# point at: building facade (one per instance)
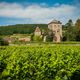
(56, 27)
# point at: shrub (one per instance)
(40, 63)
(3, 42)
(37, 38)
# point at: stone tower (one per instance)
(56, 27)
(37, 31)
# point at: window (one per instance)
(54, 26)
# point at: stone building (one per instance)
(56, 27)
(37, 31)
(25, 39)
(9, 39)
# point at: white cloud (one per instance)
(38, 13)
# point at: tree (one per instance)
(77, 24)
(69, 23)
(70, 31)
(3, 42)
(50, 36)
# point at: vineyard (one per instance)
(40, 63)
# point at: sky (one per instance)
(38, 11)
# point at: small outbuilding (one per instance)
(37, 31)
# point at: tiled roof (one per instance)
(55, 21)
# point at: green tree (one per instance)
(77, 24)
(70, 32)
(50, 36)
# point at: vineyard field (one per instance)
(40, 62)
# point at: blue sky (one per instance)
(38, 1)
(38, 11)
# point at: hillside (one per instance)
(20, 29)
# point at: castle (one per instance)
(56, 28)
(54, 33)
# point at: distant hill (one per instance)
(21, 29)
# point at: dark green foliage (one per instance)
(78, 36)
(64, 38)
(50, 36)
(77, 24)
(20, 29)
(71, 32)
(75, 75)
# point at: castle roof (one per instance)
(37, 29)
(55, 22)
